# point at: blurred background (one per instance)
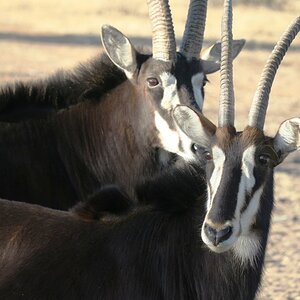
(38, 37)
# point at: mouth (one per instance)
(223, 246)
(219, 248)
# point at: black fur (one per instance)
(37, 99)
(107, 202)
(153, 252)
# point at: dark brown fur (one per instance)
(64, 137)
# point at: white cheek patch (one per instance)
(214, 182)
(171, 139)
(170, 98)
(197, 83)
(246, 248)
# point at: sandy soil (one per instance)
(38, 36)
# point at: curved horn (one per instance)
(194, 29)
(260, 101)
(226, 106)
(163, 36)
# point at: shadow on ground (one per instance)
(94, 40)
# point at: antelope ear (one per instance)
(198, 128)
(119, 49)
(211, 57)
(287, 139)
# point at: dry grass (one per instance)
(38, 36)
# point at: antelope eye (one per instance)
(264, 159)
(208, 155)
(195, 148)
(152, 81)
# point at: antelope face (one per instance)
(238, 166)
(158, 86)
(237, 173)
(161, 84)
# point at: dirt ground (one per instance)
(39, 36)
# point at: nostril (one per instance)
(210, 232)
(223, 235)
(217, 236)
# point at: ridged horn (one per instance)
(192, 39)
(163, 36)
(226, 106)
(260, 101)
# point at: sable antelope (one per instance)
(240, 165)
(154, 251)
(105, 123)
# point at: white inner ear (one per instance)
(121, 53)
(287, 138)
(213, 53)
(189, 123)
(127, 58)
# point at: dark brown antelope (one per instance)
(105, 123)
(240, 164)
(154, 251)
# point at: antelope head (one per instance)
(239, 165)
(168, 78)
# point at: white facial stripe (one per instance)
(249, 214)
(246, 185)
(247, 179)
(197, 82)
(169, 138)
(219, 159)
(169, 84)
(247, 246)
(248, 164)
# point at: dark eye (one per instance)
(195, 148)
(152, 81)
(264, 159)
(207, 155)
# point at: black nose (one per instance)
(217, 236)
